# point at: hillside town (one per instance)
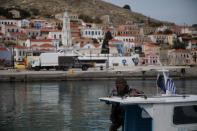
(98, 65)
(24, 40)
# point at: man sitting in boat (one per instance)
(117, 112)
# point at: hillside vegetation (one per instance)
(91, 8)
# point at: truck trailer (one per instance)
(59, 61)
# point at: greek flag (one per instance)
(166, 84)
(170, 86)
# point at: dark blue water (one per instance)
(65, 106)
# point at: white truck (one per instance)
(58, 61)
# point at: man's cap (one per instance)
(121, 80)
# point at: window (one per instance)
(20, 53)
(185, 114)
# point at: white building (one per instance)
(10, 22)
(125, 38)
(185, 30)
(55, 35)
(19, 53)
(93, 33)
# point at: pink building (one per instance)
(180, 57)
(151, 54)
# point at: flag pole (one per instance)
(164, 74)
(157, 85)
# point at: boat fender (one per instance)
(124, 62)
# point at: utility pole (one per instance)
(13, 56)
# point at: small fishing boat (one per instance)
(162, 112)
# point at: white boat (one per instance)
(104, 60)
(114, 61)
(167, 112)
(158, 113)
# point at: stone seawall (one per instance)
(91, 74)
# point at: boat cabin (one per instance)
(158, 113)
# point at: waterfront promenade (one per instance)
(138, 72)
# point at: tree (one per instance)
(86, 18)
(127, 7)
(177, 44)
(167, 31)
(194, 26)
(97, 20)
(59, 27)
(95, 41)
(105, 45)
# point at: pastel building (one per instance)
(180, 57)
(25, 23)
(161, 38)
(33, 33)
(12, 28)
(151, 51)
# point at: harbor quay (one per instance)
(135, 72)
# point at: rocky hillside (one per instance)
(91, 8)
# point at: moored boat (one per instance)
(160, 112)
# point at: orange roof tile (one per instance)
(151, 45)
(115, 40)
(41, 40)
(46, 45)
(44, 49)
(181, 50)
(193, 41)
(97, 45)
(3, 49)
(124, 35)
(49, 30)
(20, 47)
(34, 45)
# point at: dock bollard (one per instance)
(143, 75)
(71, 72)
(183, 72)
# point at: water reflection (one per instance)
(64, 106)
